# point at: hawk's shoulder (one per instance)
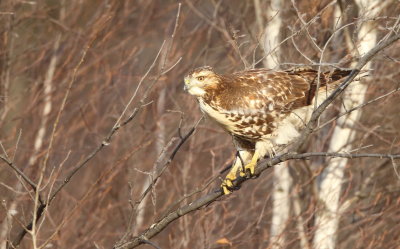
(260, 89)
(268, 90)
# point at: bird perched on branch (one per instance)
(263, 110)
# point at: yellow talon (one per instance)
(226, 184)
(251, 166)
(225, 187)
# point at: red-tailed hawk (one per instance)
(263, 110)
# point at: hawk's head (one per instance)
(199, 79)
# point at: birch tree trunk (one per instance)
(282, 179)
(327, 219)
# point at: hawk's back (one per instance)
(263, 104)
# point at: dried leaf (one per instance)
(223, 241)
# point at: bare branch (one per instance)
(39, 208)
(359, 107)
(204, 201)
(19, 172)
(159, 174)
(361, 63)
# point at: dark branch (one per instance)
(163, 168)
(361, 63)
(19, 172)
(158, 226)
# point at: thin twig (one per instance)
(312, 20)
(150, 243)
(90, 190)
(299, 16)
(39, 208)
(159, 174)
(358, 107)
(361, 63)
(19, 172)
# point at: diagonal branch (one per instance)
(19, 172)
(361, 63)
(204, 201)
(159, 174)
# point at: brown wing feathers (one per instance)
(326, 78)
(281, 91)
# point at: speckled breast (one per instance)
(247, 125)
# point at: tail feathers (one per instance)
(336, 78)
(326, 77)
(327, 82)
(336, 75)
(330, 81)
(340, 74)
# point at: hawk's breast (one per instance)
(248, 124)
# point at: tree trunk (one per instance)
(327, 218)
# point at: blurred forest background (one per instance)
(92, 109)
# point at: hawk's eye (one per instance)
(200, 78)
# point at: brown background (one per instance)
(127, 36)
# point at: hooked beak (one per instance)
(186, 85)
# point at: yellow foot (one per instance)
(227, 184)
(250, 166)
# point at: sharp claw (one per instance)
(226, 185)
(252, 165)
(226, 190)
(251, 168)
